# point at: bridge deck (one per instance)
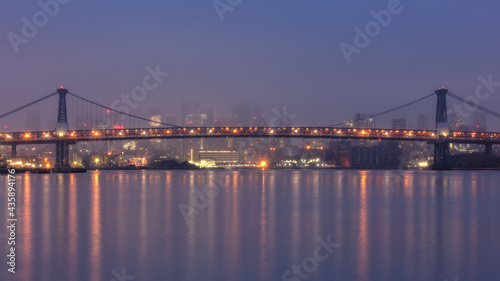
(246, 132)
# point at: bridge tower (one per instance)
(488, 151)
(442, 145)
(62, 146)
(13, 151)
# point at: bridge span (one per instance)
(429, 136)
(441, 136)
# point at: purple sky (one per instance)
(267, 52)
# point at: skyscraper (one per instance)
(363, 120)
(258, 117)
(195, 116)
(188, 110)
(457, 123)
(155, 118)
(170, 119)
(479, 121)
(422, 122)
(242, 114)
(399, 124)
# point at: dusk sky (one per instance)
(272, 53)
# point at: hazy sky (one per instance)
(268, 52)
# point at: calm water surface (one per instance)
(257, 225)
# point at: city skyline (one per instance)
(34, 119)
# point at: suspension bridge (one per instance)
(92, 121)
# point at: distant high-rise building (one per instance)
(422, 122)
(188, 110)
(210, 143)
(399, 124)
(196, 119)
(195, 116)
(222, 122)
(258, 117)
(314, 143)
(155, 119)
(191, 116)
(33, 121)
(170, 119)
(363, 120)
(157, 143)
(241, 114)
(281, 118)
(457, 123)
(171, 145)
(479, 121)
(210, 117)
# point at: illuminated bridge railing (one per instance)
(242, 132)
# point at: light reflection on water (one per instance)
(423, 226)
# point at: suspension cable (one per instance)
(490, 112)
(121, 112)
(384, 112)
(27, 105)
